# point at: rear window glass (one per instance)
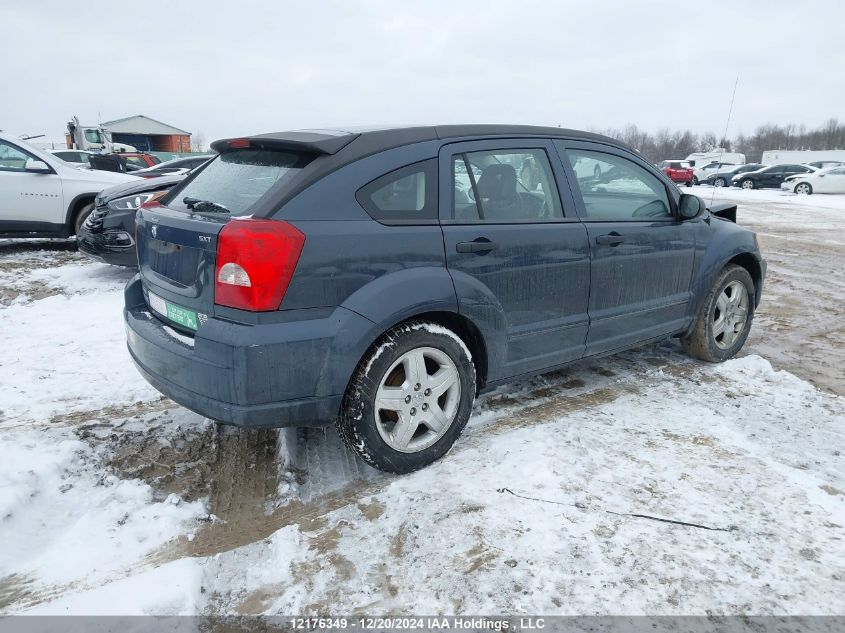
(407, 194)
(237, 179)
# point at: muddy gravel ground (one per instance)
(256, 482)
(800, 324)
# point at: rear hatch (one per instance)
(178, 236)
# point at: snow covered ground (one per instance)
(641, 483)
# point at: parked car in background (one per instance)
(380, 279)
(76, 157)
(723, 178)
(175, 166)
(139, 160)
(108, 234)
(769, 177)
(700, 173)
(826, 164)
(42, 195)
(830, 180)
(678, 171)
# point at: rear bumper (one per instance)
(281, 374)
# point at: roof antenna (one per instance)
(725, 135)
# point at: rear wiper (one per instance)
(195, 204)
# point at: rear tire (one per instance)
(724, 320)
(688, 183)
(81, 216)
(397, 415)
(695, 180)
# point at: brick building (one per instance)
(148, 135)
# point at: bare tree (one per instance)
(198, 142)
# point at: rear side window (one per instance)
(236, 180)
(137, 161)
(504, 186)
(405, 195)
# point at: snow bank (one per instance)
(64, 520)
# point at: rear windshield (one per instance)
(237, 179)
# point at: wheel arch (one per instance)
(743, 255)
(75, 206)
(752, 265)
(463, 327)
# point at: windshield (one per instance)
(236, 180)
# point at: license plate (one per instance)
(177, 314)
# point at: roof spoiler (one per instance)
(312, 142)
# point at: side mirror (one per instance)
(690, 206)
(37, 166)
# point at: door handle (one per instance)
(481, 246)
(612, 239)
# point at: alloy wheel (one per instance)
(730, 315)
(803, 188)
(417, 399)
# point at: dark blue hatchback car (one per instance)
(381, 278)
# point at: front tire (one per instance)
(747, 184)
(409, 398)
(81, 216)
(724, 320)
(720, 182)
(804, 188)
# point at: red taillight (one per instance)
(255, 263)
(239, 143)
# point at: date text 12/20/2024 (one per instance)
(419, 623)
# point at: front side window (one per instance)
(624, 191)
(92, 136)
(236, 179)
(11, 158)
(407, 194)
(504, 186)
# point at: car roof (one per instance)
(370, 140)
(341, 147)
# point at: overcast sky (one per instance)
(240, 67)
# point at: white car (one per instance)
(824, 181)
(76, 157)
(43, 196)
(700, 173)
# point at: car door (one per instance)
(516, 251)
(832, 181)
(642, 255)
(29, 201)
(771, 177)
